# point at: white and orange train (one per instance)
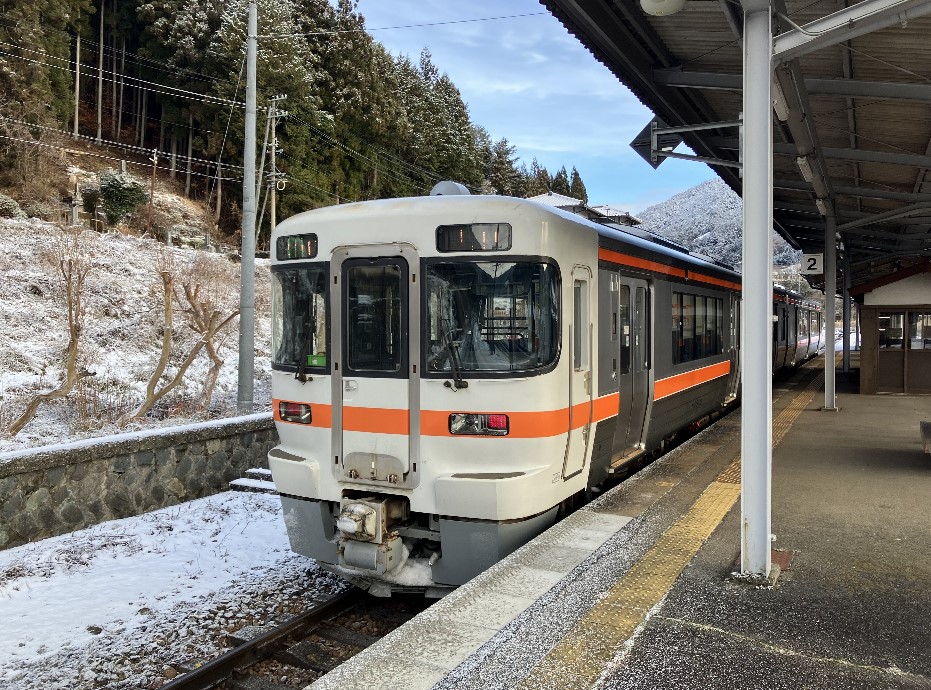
(452, 372)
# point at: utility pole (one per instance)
(77, 78)
(100, 81)
(247, 267)
(274, 173)
(148, 221)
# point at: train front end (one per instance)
(431, 399)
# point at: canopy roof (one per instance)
(851, 120)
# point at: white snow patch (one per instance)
(129, 597)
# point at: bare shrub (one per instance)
(71, 257)
(200, 291)
(97, 404)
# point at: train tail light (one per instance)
(470, 424)
(294, 412)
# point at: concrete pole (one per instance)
(148, 218)
(190, 153)
(247, 267)
(756, 327)
(846, 277)
(830, 303)
(274, 173)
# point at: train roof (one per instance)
(633, 241)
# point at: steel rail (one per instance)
(219, 669)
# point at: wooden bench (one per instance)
(926, 436)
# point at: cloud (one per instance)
(530, 81)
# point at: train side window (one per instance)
(642, 330)
(676, 327)
(580, 325)
(701, 329)
(688, 328)
(624, 325)
(719, 325)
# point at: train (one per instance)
(452, 373)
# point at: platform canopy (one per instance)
(851, 110)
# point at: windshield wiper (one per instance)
(302, 357)
(454, 363)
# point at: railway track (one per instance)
(303, 648)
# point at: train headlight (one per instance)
(470, 424)
(294, 412)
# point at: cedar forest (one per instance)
(166, 78)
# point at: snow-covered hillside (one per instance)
(121, 341)
(708, 219)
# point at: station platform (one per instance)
(639, 588)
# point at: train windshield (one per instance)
(299, 323)
(487, 316)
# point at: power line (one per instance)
(147, 166)
(108, 142)
(130, 56)
(352, 152)
(405, 26)
(168, 90)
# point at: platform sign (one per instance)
(812, 264)
(643, 142)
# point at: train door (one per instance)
(634, 370)
(376, 338)
(580, 373)
(734, 347)
(792, 336)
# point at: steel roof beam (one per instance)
(863, 18)
(887, 216)
(860, 155)
(626, 44)
(866, 192)
(851, 88)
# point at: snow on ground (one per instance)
(122, 335)
(116, 605)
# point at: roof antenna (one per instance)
(448, 188)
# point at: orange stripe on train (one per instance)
(537, 424)
(665, 269)
(680, 382)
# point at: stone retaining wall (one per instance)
(57, 489)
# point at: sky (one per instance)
(530, 81)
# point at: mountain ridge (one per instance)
(708, 219)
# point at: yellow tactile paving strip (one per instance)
(582, 655)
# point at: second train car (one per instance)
(451, 372)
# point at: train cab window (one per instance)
(487, 316)
(299, 316)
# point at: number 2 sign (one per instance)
(812, 264)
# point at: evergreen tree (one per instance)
(35, 74)
(577, 187)
(560, 184)
(504, 176)
(539, 181)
